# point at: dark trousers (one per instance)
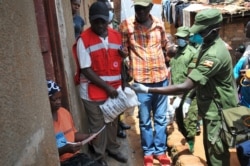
(80, 159)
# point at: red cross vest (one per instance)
(106, 63)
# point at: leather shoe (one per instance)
(121, 133)
(102, 162)
(118, 156)
(124, 126)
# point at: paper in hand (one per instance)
(92, 136)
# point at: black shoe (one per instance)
(124, 126)
(121, 133)
(118, 156)
(102, 162)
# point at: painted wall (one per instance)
(27, 136)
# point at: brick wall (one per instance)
(232, 32)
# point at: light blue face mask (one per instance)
(111, 15)
(181, 42)
(196, 38)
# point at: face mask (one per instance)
(181, 42)
(111, 15)
(196, 38)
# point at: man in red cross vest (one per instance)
(100, 76)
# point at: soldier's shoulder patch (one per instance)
(208, 63)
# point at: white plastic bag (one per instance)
(114, 107)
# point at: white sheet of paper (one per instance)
(92, 136)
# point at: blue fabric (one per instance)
(78, 25)
(60, 139)
(168, 11)
(243, 153)
(153, 141)
(179, 13)
(245, 94)
(238, 67)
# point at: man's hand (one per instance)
(74, 147)
(70, 147)
(112, 92)
(123, 52)
(186, 106)
(139, 88)
(176, 102)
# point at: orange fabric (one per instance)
(65, 124)
(145, 48)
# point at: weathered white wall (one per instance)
(27, 136)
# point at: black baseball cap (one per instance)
(98, 10)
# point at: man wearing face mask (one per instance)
(180, 64)
(213, 80)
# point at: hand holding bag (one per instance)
(113, 107)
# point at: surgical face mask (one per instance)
(111, 15)
(181, 42)
(196, 38)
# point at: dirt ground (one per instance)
(132, 146)
(135, 143)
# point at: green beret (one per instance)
(182, 31)
(206, 18)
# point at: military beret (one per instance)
(182, 31)
(206, 18)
